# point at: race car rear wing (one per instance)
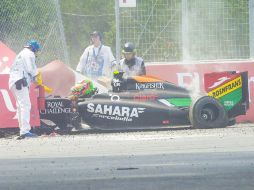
(231, 89)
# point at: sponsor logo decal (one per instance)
(112, 112)
(226, 88)
(145, 97)
(228, 103)
(114, 97)
(220, 81)
(150, 85)
(165, 122)
(7, 100)
(55, 108)
(116, 82)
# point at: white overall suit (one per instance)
(23, 67)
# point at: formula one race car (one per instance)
(148, 102)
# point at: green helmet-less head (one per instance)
(83, 88)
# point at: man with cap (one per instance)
(131, 64)
(22, 73)
(97, 59)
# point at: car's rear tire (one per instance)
(207, 112)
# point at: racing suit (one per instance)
(96, 62)
(22, 73)
(132, 67)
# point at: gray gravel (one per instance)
(149, 160)
(236, 138)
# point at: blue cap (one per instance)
(34, 45)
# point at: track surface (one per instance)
(173, 159)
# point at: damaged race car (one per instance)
(142, 102)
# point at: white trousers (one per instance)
(23, 104)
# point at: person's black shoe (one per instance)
(27, 135)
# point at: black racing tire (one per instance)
(207, 112)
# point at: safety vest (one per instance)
(133, 70)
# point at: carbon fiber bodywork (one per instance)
(143, 102)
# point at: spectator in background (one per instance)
(22, 73)
(131, 65)
(97, 59)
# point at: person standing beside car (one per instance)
(131, 64)
(97, 59)
(22, 73)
